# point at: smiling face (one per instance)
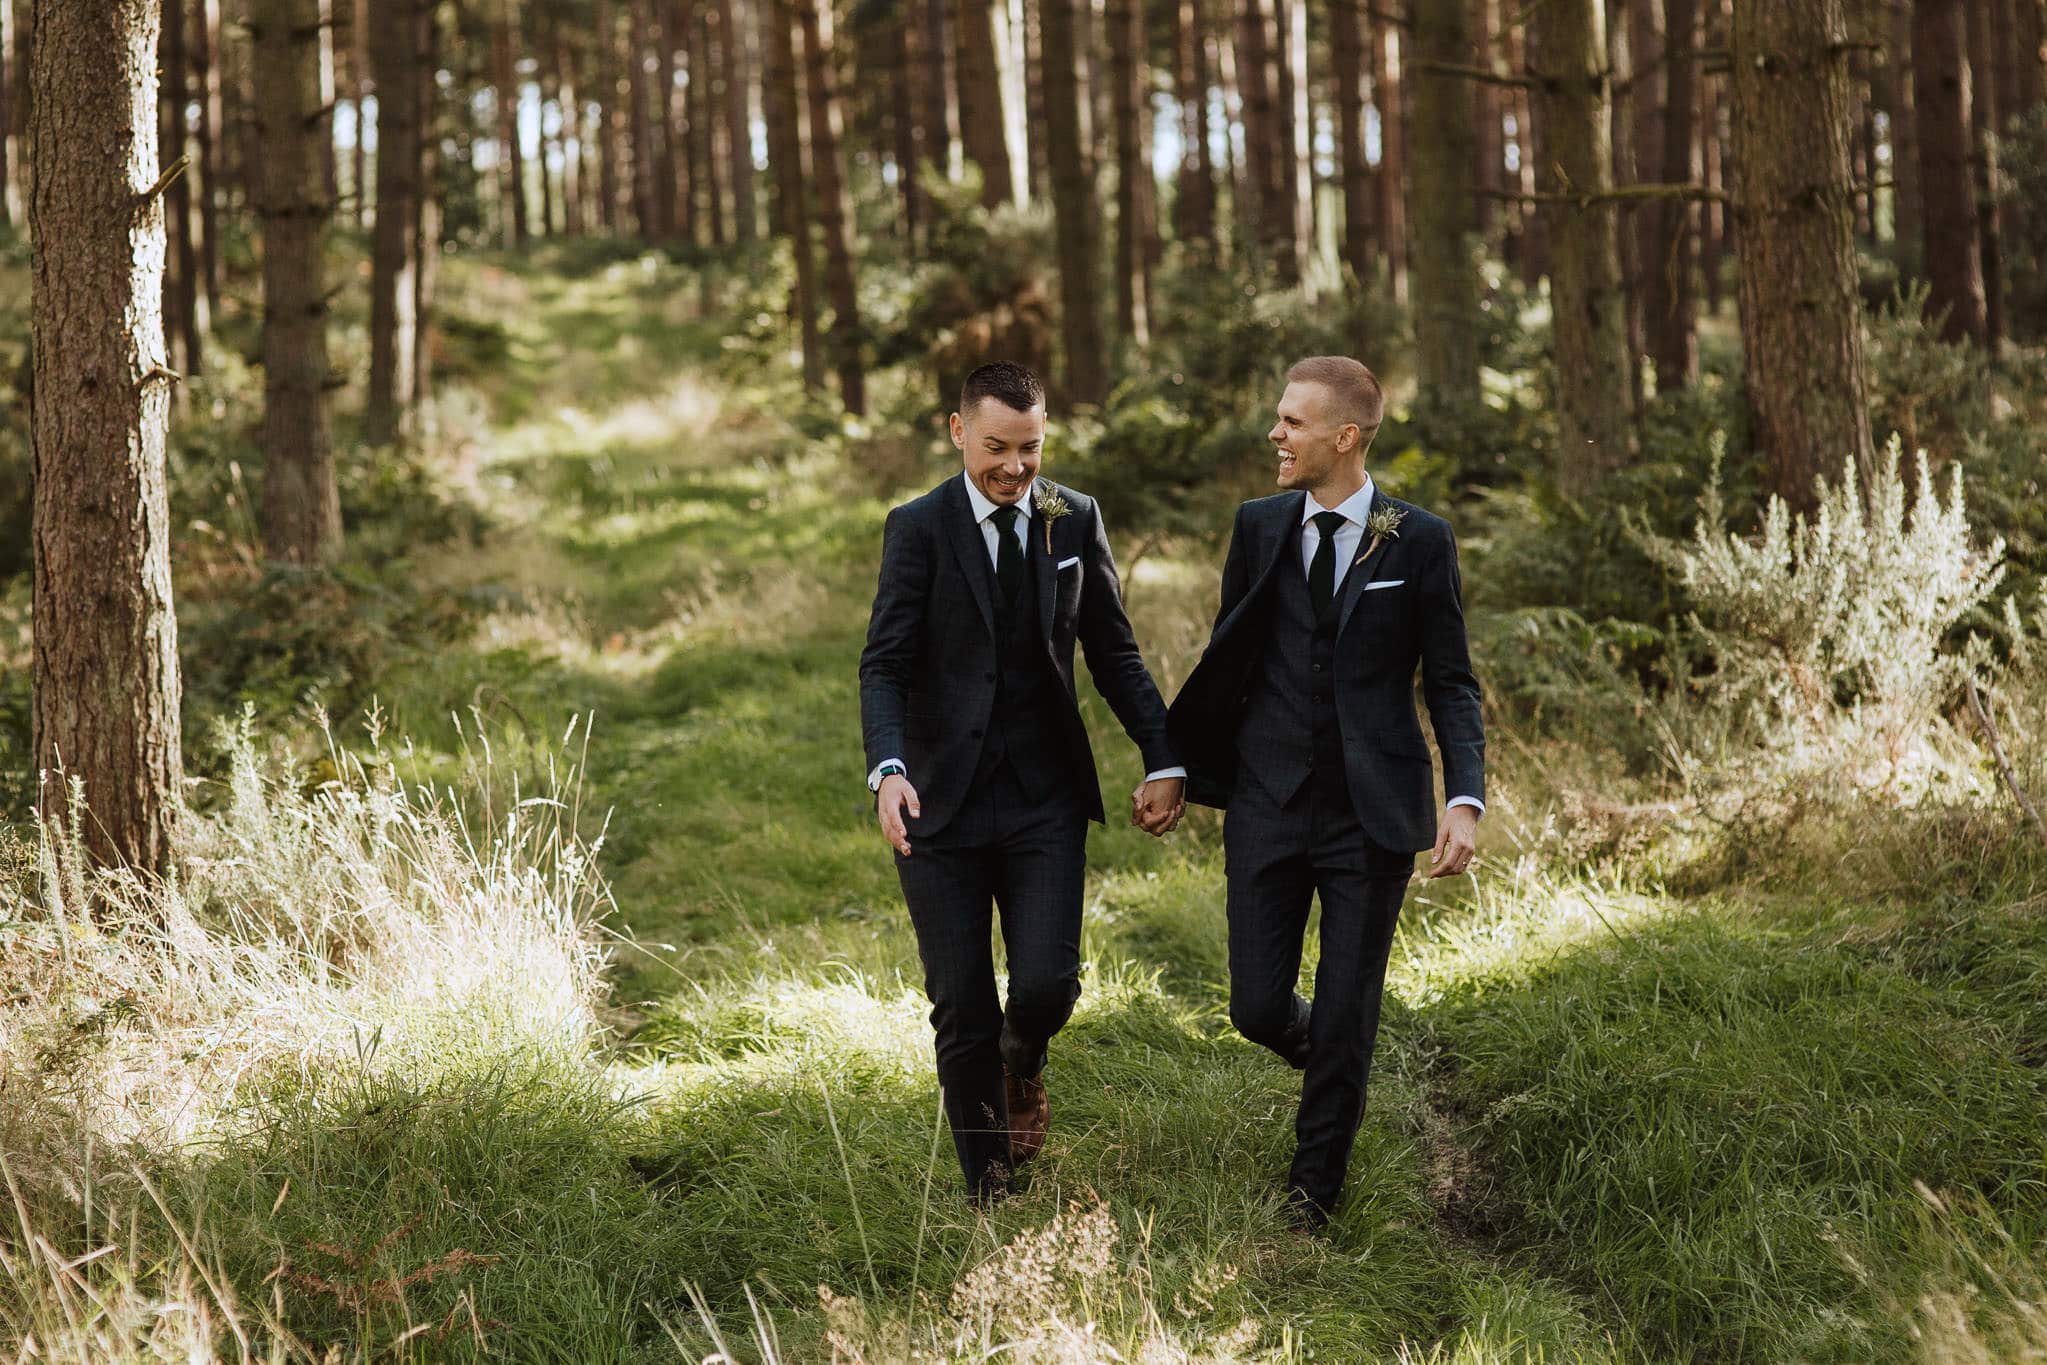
(1317, 452)
(1001, 447)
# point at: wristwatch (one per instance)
(874, 780)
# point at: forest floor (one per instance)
(1691, 1096)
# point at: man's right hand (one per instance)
(895, 793)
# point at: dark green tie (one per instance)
(1322, 569)
(1008, 554)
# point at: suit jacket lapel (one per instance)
(1047, 577)
(971, 550)
(1361, 567)
(1286, 535)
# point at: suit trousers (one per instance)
(1004, 854)
(1277, 857)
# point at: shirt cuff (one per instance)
(1165, 772)
(874, 778)
(1471, 801)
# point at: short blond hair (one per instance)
(1353, 390)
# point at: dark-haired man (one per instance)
(966, 690)
(1300, 720)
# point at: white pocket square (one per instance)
(1066, 564)
(1384, 583)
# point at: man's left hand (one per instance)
(1456, 841)
(1156, 807)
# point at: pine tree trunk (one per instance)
(834, 210)
(1261, 209)
(1446, 245)
(942, 110)
(978, 73)
(1793, 212)
(1669, 303)
(738, 73)
(1713, 214)
(10, 146)
(1392, 196)
(1133, 161)
(552, 145)
(1986, 116)
(1647, 109)
(905, 128)
(1194, 197)
(703, 141)
(648, 189)
(1489, 123)
(1073, 207)
(1574, 98)
(1953, 241)
(1297, 163)
(2029, 40)
(786, 160)
(301, 507)
(105, 697)
(1347, 61)
(426, 204)
(610, 178)
(394, 261)
(359, 63)
(511, 154)
(182, 321)
(1908, 213)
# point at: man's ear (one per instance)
(1356, 434)
(958, 429)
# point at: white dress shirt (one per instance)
(984, 516)
(1349, 536)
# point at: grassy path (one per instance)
(1700, 1116)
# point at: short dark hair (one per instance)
(1354, 389)
(1014, 385)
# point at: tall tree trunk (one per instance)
(1194, 191)
(1713, 214)
(1954, 247)
(834, 210)
(1347, 60)
(511, 151)
(574, 136)
(301, 507)
(1793, 210)
(1386, 99)
(1530, 255)
(1073, 207)
(647, 187)
(1298, 162)
(1446, 245)
(1986, 116)
(105, 676)
(738, 121)
(611, 120)
(785, 159)
(1133, 161)
(905, 128)
(1669, 304)
(1574, 97)
(181, 303)
(365, 84)
(10, 146)
(942, 109)
(426, 203)
(1648, 109)
(1908, 212)
(394, 261)
(549, 143)
(703, 138)
(2029, 41)
(979, 73)
(668, 27)
(1489, 122)
(1262, 210)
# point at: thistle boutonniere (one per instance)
(1384, 525)
(1050, 507)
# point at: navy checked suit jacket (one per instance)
(1383, 635)
(927, 676)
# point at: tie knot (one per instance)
(1005, 517)
(1327, 522)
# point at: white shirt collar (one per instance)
(983, 508)
(1354, 508)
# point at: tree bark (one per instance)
(1489, 125)
(181, 304)
(105, 675)
(359, 64)
(703, 128)
(426, 203)
(301, 506)
(1264, 210)
(1347, 61)
(394, 263)
(1669, 301)
(834, 210)
(1194, 193)
(1386, 99)
(738, 73)
(2029, 74)
(786, 157)
(1574, 98)
(1908, 213)
(1446, 244)
(610, 120)
(1296, 161)
(1073, 207)
(511, 151)
(1986, 117)
(978, 73)
(1952, 234)
(10, 146)
(1793, 218)
(1133, 161)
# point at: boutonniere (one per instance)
(1050, 507)
(1383, 525)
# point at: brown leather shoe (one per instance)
(1030, 1113)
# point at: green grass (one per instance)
(1609, 1121)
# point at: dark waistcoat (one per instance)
(1024, 727)
(1290, 735)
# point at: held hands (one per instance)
(895, 793)
(1456, 839)
(1157, 805)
